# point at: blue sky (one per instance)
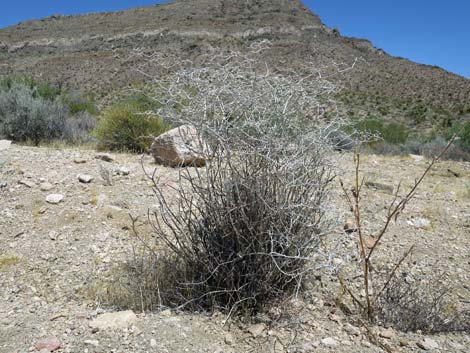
(427, 31)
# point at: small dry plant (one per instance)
(389, 298)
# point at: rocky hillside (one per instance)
(94, 52)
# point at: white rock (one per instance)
(94, 343)
(329, 341)
(54, 198)
(4, 145)
(117, 320)
(85, 178)
(46, 186)
(79, 160)
(122, 171)
(181, 146)
(428, 344)
(28, 183)
(257, 330)
(421, 223)
(153, 342)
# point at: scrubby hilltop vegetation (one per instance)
(95, 52)
(250, 226)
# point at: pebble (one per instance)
(104, 157)
(94, 343)
(46, 186)
(27, 183)
(79, 160)
(352, 330)
(122, 171)
(428, 344)
(256, 330)
(229, 339)
(85, 178)
(119, 320)
(50, 344)
(329, 341)
(387, 333)
(420, 223)
(5, 145)
(54, 198)
(153, 342)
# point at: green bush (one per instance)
(44, 90)
(128, 126)
(26, 116)
(79, 104)
(463, 134)
(392, 133)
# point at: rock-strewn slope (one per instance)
(53, 257)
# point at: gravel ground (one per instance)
(51, 256)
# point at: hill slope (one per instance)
(94, 51)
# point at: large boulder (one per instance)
(179, 147)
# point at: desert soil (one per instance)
(52, 254)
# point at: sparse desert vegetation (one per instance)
(216, 196)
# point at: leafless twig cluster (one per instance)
(246, 228)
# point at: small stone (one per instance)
(387, 333)
(370, 241)
(166, 313)
(5, 145)
(94, 343)
(153, 342)
(54, 198)
(3, 184)
(229, 339)
(352, 330)
(335, 318)
(79, 160)
(329, 341)
(117, 320)
(428, 344)
(122, 171)
(46, 186)
(404, 343)
(49, 344)
(350, 226)
(85, 178)
(421, 223)
(257, 330)
(416, 157)
(104, 157)
(27, 183)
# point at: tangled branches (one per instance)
(245, 229)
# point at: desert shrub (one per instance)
(244, 230)
(463, 132)
(27, 116)
(45, 90)
(128, 126)
(426, 305)
(78, 127)
(455, 152)
(392, 133)
(78, 103)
